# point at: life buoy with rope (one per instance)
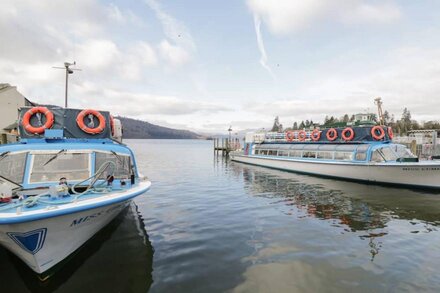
(302, 135)
(332, 134)
(390, 132)
(26, 121)
(290, 135)
(347, 134)
(315, 135)
(90, 113)
(375, 134)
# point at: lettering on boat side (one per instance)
(421, 169)
(95, 215)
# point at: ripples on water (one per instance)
(209, 225)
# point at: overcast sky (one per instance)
(204, 65)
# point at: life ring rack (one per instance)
(375, 135)
(26, 121)
(347, 137)
(96, 130)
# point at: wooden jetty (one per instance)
(224, 146)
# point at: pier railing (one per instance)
(224, 146)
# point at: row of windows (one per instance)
(325, 155)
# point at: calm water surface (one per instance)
(210, 225)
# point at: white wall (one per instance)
(10, 101)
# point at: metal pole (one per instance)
(67, 82)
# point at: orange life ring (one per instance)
(315, 135)
(80, 121)
(302, 135)
(290, 135)
(26, 122)
(345, 136)
(390, 132)
(375, 135)
(332, 134)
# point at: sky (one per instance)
(205, 65)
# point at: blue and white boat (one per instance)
(60, 186)
(360, 154)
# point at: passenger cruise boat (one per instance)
(64, 181)
(359, 153)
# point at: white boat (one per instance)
(57, 192)
(367, 156)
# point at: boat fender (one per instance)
(315, 135)
(377, 132)
(26, 122)
(332, 134)
(91, 130)
(290, 135)
(390, 132)
(302, 135)
(347, 134)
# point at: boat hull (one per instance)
(403, 174)
(44, 243)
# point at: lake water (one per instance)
(211, 225)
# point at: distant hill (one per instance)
(140, 129)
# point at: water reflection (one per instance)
(119, 258)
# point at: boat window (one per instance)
(296, 154)
(263, 152)
(377, 157)
(327, 147)
(257, 152)
(272, 153)
(308, 154)
(51, 167)
(402, 151)
(122, 163)
(344, 156)
(12, 166)
(388, 154)
(325, 155)
(283, 153)
(361, 152)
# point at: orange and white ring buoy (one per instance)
(26, 121)
(290, 136)
(390, 132)
(80, 121)
(302, 135)
(345, 136)
(332, 134)
(315, 135)
(375, 135)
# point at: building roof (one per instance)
(4, 86)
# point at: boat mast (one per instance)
(68, 71)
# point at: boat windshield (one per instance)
(12, 166)
(74, 166)
(402, 151)
(121, 162)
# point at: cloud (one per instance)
(261, 47)
(180, 44)
(287, 16)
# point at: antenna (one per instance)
(378, 102)
(68, 71)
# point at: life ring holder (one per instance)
(26, 121)
(332, 134)
(347, 137)
(376, 136)
(290, 135)
(390, 132)
(302, 135)
(80, 121)
(112, 125)
(315, 135)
